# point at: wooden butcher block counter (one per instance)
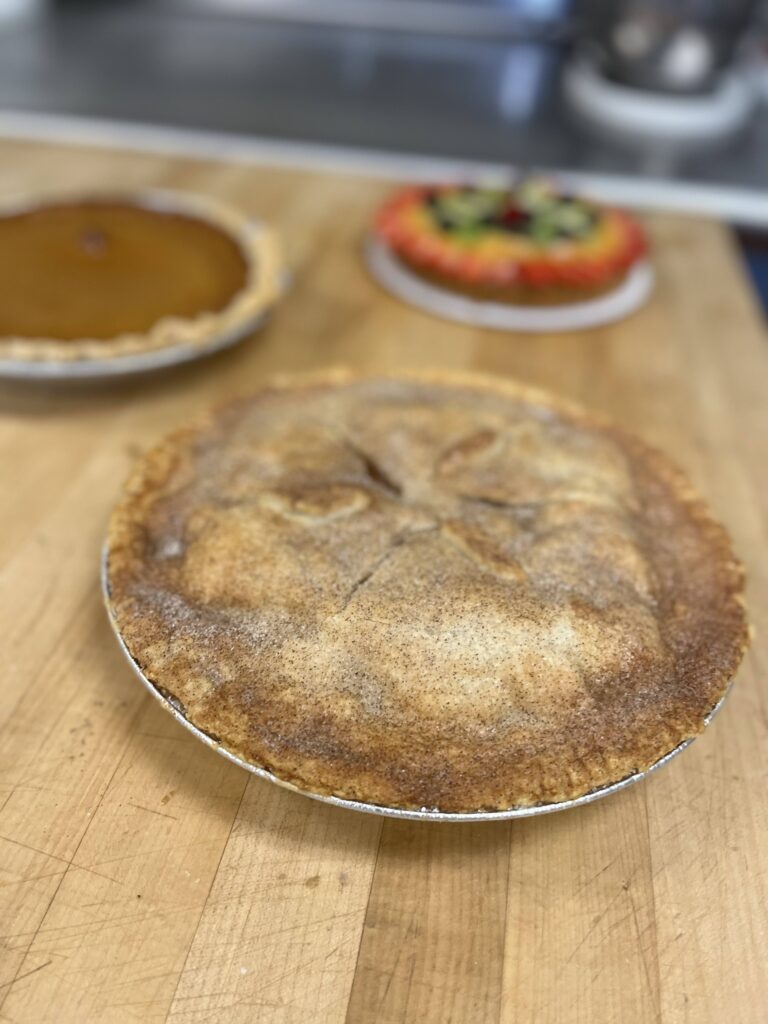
(144, 878)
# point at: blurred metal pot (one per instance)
(671, 46)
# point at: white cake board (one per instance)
(606, 309)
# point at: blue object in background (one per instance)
(754, 248)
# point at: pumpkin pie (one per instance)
(101, 277)
(425, 591)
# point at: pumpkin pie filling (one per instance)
(102, 277)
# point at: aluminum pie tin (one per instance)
(125, 366)
(164, 201)
(605, 309)
(175, 708)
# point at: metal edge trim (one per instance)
(739, 205)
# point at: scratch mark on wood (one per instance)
(150, 810)
(21, 977)
(34, 849)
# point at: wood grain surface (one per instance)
(144, 878)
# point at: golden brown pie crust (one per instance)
(516, 295)
(103, 276)
(432, 590)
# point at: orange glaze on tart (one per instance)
(525, 245)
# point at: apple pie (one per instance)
(425, 591)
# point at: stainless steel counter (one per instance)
(479, 99)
